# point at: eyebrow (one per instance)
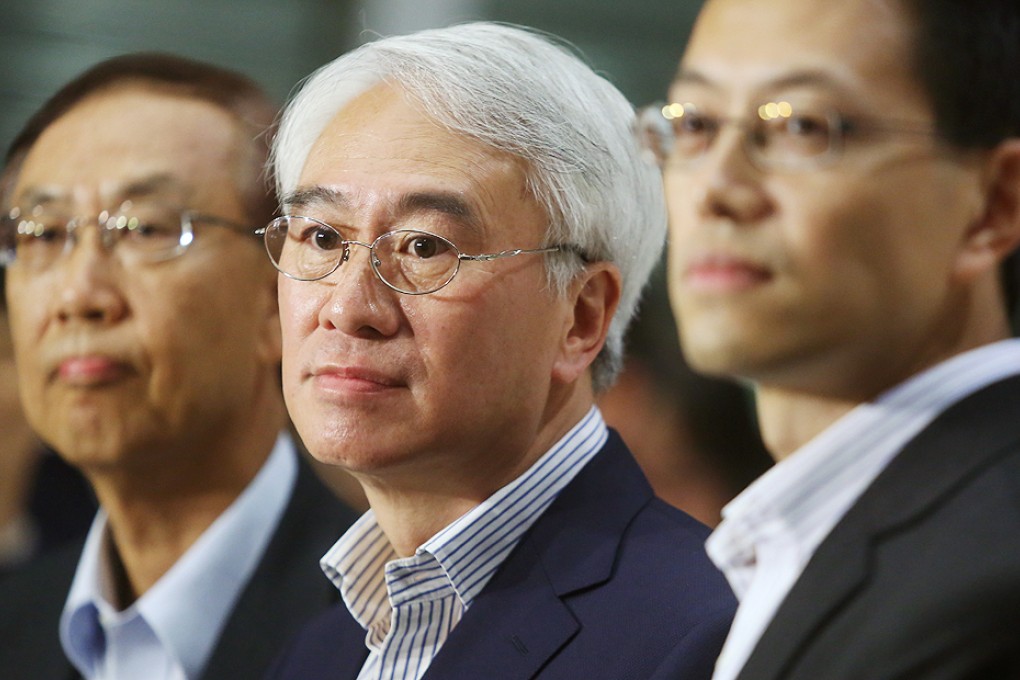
(161, 183)
(446, 203)
(314, 197)
(153, 185)
(813, 78)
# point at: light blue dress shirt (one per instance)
(169, 633)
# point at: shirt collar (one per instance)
(803, 496)
(189, 604)
(470, 549)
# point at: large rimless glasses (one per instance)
(409, 261)
(37, 238)
(776, 134)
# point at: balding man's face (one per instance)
(124, 362)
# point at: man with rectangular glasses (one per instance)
(146, 336)
(843, 180)
(468, 225)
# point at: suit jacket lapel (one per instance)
(287, 587)
(520, 619)
(968, 437)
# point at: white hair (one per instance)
(525, 94)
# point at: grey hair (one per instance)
(523, 93)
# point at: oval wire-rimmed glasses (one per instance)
(409, 261)
(137, 233)
(774, 135)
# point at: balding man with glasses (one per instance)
(843, 180)
(146, 336)
(468, 226)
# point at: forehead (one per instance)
(382, 147)
(121, 136)
(746, 47)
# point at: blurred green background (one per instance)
(277, 42)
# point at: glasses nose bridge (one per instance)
(373, 258)
(723, 143)
(107, 235)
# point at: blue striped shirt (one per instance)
(409, 606)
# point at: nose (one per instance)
(357, 302)
(88, 287)
(729, 185)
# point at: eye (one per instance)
(807, 125)
(322, 237)
(693, 133)
(423, 246)
(147, 229)
(41, 231)
(693, 124)
(793, 133)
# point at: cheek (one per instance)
(300, 305)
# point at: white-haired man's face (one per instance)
(454, 383)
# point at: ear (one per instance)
(595, 294)
(996, 233)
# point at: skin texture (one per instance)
(157, 380)
(432, 401)
(17, 452)
(826, 287)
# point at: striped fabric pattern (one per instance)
(409, 606)
(771, 530)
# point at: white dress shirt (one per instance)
(170, 631)
(409, 606)
(771, 530)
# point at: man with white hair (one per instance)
(510, 223)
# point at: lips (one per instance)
(355, 379)
(723, 273)
(91, 370)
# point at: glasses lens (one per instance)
(304, 249)
(788, 136)
(35, 238)
(676, 133)
(146, 232)
(415, 262)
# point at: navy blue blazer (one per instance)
(921, 579)
(284, 591)
(610, 583)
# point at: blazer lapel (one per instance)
(287, 587)
(511, 630)
(520, 620)
(966, 438)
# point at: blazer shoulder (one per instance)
(287, 588)
(31, 601)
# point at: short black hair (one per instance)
(967, 56)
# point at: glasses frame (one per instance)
(345, 253)
(109, 235)
(653, 119)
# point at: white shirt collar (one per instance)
(188, 606)
(770, 531)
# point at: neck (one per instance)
(793, 409)
(413, 507)
(790, 419)
(155, 516)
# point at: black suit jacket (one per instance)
(286, 589)
(608, 583)
(921, 578)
